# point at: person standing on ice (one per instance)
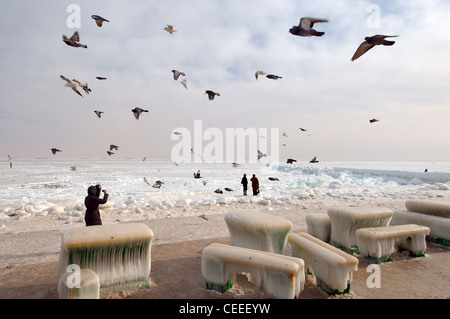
(255, 185)
(92, 201)
(244, 183)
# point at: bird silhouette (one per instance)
(170, 29)
(113, 147)
(211, 94)
(74, 41)
(373, 120)
(55, 150)
(100, 78)
(185, 83)
(99, 113)
(70, 84)
(273, 76)
(305, 27)
(314, 160)
(137, 111)
(261, 155)
(372, 41)
(84, 86)
(176, 74)
(99, 20)
(290, 161)
(109, 153)
(10, 162)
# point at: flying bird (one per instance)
(314, 160)
(290, 161)
(72, 85)
(273, 178)
(261, 155)
(176, 74)
(258, 73)
(211, 94)
(99, 113)
(137, 112)
(302, 129)
(305, 28)
(74, 41)
(372, 41)
(157, 184)
(203, 216)
(146, 182)
(55, 150)
(373, 120)
(84, 86)
(273, 76)
(10, 161)
(177, 133)
(100, 78)
(109, 153)
(170, 29)
(113, 147)
(184, 82)
(99, 20)
(285, 135)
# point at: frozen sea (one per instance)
(40, 187)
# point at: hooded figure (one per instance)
(244, 183)
(92, 201)
(255, 185)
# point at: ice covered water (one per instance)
(37, 187)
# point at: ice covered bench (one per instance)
(380, 242)
(434, 207)
(82, 285)
(439, 226)
(120, 254)
(332, 267)
(280, 276)
(258, 230)
(346, 220)
(319, 226)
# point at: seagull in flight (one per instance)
(261, 155)
(305, 27)
(373, 120)
(185, 83)
(74, 41)
(99, 20)
(109, 153)
(137, 112)
(170, 29)
(258, 73)
(176, 74)
(72, 85)
(372, 41)
(273, 76)
(113, 147)
(84, 86)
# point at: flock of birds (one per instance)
(305, 28)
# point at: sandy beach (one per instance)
(30, 251)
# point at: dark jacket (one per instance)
(255, 183)
(244, 182)
(92, 201)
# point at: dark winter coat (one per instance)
(255, 183)
(92, 201)
(244, 182)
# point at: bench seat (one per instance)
(280, 276)
(434, 207)
(332, 267)
(381, 242)
(439, 226)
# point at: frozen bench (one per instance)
(120, 254)
(319, 226)
(280, 276)
(381, 242)
(258, 230)
(439, 226)
(346, 220)
(85, 285)
(332, 267)
(433, 207)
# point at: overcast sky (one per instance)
(219, 45)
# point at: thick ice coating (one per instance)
(346, 220)
(319, 226)
(88, 287)
(439, 226)
(280, 276)
(381, 242)
(430, 207)
(332, 267)
(258, 230)
(117, 253)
